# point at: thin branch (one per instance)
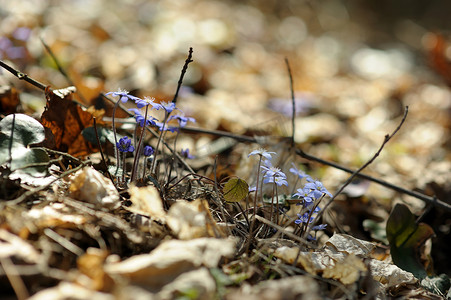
(293, 103)
(23, 76)
(242, 138)
(355, 173)
(185, 67)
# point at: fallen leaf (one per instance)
(189, 220)
(196, 284)
(347, 271)
(91, 264)
(67, 290)
(91, 186)
(235, 190)
(9, 100)
(146, 201)
(66, 120)
(170, 259)
(293, 287)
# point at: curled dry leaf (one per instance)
(9, 99)
(146, 201)
(189, 220)
(341, 259)
(197, 282)
(170, 259)
(347, 271)
(67, 290)
(66, 120)
(12, 245)
(294, 287)
(91, 186)
(91, 265)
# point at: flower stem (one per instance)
(166, 116)
(138, 148)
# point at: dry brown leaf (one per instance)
(170, 259)
(9, 100)
(294, 287)
(199, 281)
(146, 201)
(12, 245)
(347, 271)
(53, 215)
(91, 186)
(344, 243)
(342, 259)
(312, 262)
(66, 290)
(189, 220)
(91, 264)
(66, 120)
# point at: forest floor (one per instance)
(259, 116)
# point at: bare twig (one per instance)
(64, 242)
(185, 67)
(355, 173)
(430, 200)
(293, 102)
(23, 76)
(14, 278)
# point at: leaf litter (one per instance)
(72, 232)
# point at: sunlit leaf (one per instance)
(406, 237)
(17, 132)
(66, 120)
(235, 190)
(26, 129)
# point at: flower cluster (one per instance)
(144, 118)
(312, 192)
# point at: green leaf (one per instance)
(235, 190)
(17, 132)
(26, 130)
(406, 237)
(104, 135)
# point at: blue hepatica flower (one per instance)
(167, 106)
(317, 188)
(304, 218)
(279, 180)
(164, 127)
(125, 145)
(140, 118)
(305, 194)
(262, 152)
(123, 95)
(182, 119)
(148, 151)
(301, 174)
(319, 227)
(140, 103)
(270, 171)
(185, 153)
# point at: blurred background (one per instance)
(355, 66)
